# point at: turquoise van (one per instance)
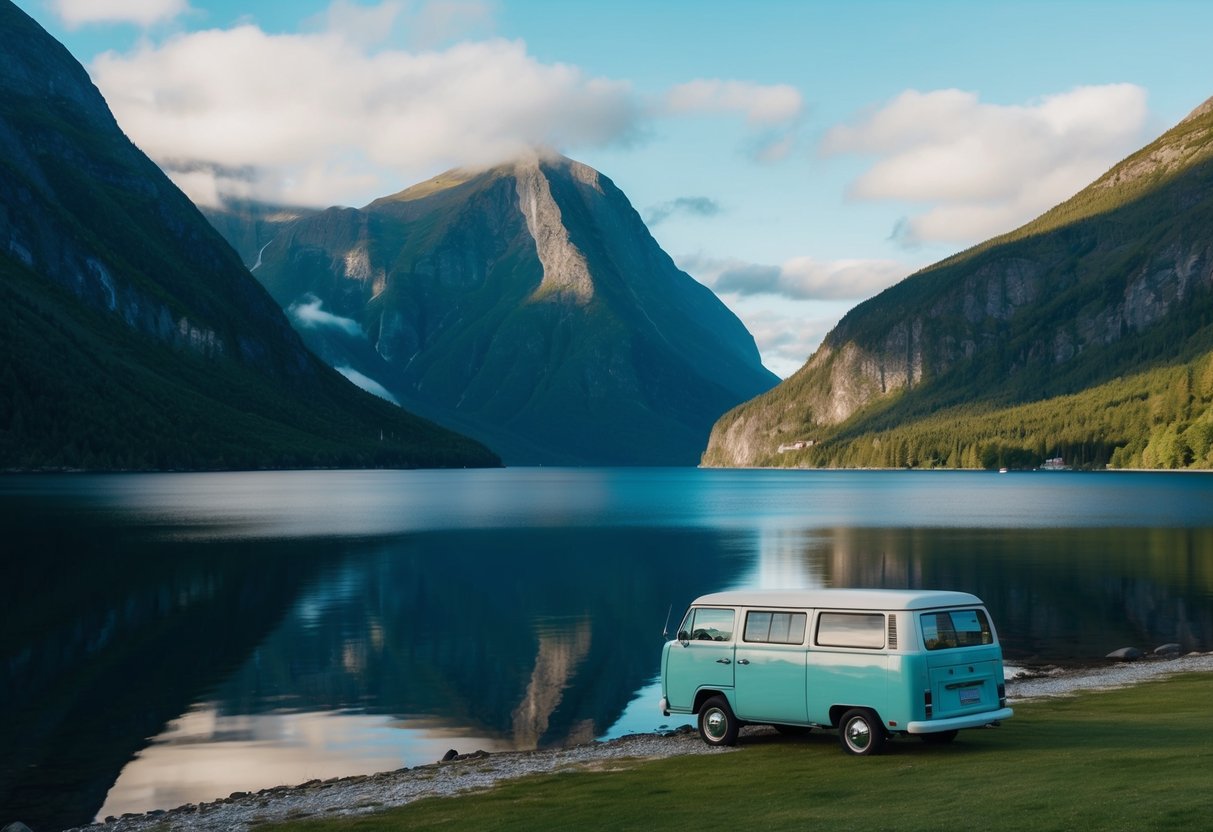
(872, 663)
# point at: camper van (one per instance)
(871, 663)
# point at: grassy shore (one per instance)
(1135, 758)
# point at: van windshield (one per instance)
(955, 628)
(704, 624)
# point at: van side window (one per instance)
(705, 624)
(849, 629)
(775, 627)
(957, 628)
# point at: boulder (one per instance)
(16, 826)
(1171, 649)
(1125, 654)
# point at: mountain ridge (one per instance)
(526, 304)
(133, 338)
(1097, 288)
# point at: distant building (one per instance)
(798, 445)
(1055, 463)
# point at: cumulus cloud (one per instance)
(761, 105)
(786, 338)
(773, 112)
(322, 119)
(356, 23)
(982, 169)
(800, 278)
(700, 206)
(442, 21)
(309, 313)
(139, 12)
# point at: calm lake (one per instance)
(172, 638)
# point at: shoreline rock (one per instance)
(479, 770)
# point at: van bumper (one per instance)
(665, 707)
(931, 726)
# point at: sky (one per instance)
(796, 157)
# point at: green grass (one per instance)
(1138, 758)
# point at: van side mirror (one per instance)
(684, 637)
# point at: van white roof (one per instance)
(858, 599)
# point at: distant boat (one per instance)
(1002, 470)
(1054, 464)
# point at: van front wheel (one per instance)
(717, 725)
(860, 733)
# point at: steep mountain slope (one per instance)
(1108, 298)
(130, 334)
(526, 305)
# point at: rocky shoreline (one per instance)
(460, 773)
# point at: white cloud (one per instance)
(442, 21)
(696, 206)
(356, 23)
(308, 313)
(983, 169)
(320, 119)
(762, 105)
(800, 278)
(786, 337)
(140, 12)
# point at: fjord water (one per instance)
(172, 638)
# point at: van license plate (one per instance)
(970, 696)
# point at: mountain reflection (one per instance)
(536, 637)
(1056, 594)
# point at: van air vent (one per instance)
(892, 632)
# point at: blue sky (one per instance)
(796, 156)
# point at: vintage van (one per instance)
(871, 663)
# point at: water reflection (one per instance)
(174, 638)
(205, 753)
(1067, 594)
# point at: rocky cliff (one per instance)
(1116, 281)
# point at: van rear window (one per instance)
(849, 629)
(955, 628)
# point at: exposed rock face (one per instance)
(527, 305)
(565, 272)
(1127, 255)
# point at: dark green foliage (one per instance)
(1161, 418)
(79, 390)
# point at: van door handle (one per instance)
(743, 661)
(723, 661)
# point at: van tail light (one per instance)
(926, 701)
(1002, 695)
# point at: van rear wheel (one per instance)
(717, 725)
(860, 732)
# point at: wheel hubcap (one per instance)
(859, 735)
(715, 723)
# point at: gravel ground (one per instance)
(480, 770)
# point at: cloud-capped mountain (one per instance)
(526, 305)
(131, 336)
(1087, 334)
